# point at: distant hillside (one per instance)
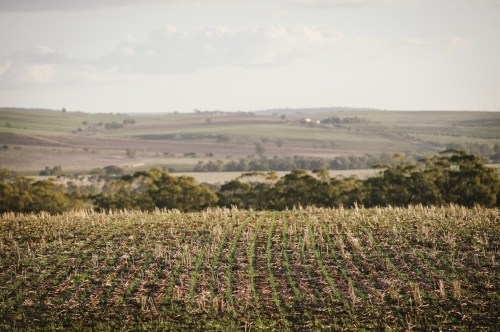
(290, 111)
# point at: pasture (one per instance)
(423, 268)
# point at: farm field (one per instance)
(222, 177)
(423, 268)
(81, 154)
(80, 141)
(215, 177)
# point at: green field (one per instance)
(24, 121)
(394, 130)
(422, 268)
(80, 142)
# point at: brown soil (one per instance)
(80, 152)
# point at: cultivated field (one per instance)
(81, 154)
(80, 141)
(222, 177)
(421, 268)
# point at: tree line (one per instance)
(265, 164)
(451, 177)
(337, 120)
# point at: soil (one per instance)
(34, 152)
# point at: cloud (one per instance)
(86, 5)
(33, 66)
(455, 44)
(410, 42)
(72, 5)
(169, 49)
(42, 66)
(26, 74)
(4, 65)
(343, 3)
(79, 5)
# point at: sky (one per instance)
(133, 56)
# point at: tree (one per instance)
(113, 125)
(279, 142)
(402, 185)
(48, 196)
(283, 117)
(294, 189)
(119, 195)
(113, 170)
(64, 110)
(128, 121)
(322, 174)
(234, 193)
(466, 180)
(170, 192)
(130, 153)
(260, 149)
(453, 177)
(56, 170)
(154, 188)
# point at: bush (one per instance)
(113, 125)
(56, 170)
(128, 121)
(130, 153)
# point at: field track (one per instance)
(421, 268)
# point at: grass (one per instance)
(423, 268)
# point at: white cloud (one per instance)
(455, 44)
(169, 49)
(4, 65)
(26, 74)
(172, 50)
(411, 42)
(71, 5)
(84, 5)
(28, 66)
(79, 5)
(33, 66)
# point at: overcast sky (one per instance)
(167, 55)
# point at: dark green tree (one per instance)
(465, 180)
(260, 149)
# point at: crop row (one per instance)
(418, 267)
